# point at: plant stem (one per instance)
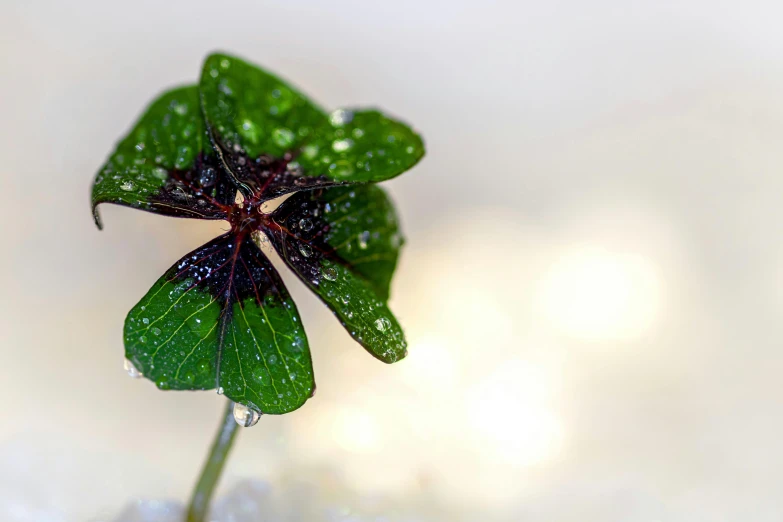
(213, 467)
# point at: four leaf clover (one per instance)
(221, 318)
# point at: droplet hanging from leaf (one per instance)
(245, 417)
(131, 369)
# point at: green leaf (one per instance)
(252, 109)
(222, 318)
(361, 146)
(274, 140)
(165, 164)
(343, 243)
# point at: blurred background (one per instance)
(591, 286)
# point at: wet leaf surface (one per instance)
(220, 318)
(278, 141)
(343, 243)
(166, 164)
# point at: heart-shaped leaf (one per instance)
(166, 164)
(277, 141)
(356, 146)
(343, 242)
(222, 318)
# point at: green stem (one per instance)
(213, 467)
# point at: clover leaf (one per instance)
(221, 318)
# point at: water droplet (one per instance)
(245, 416)
(127, 185)
(330, 274)
(341, 168)
(273, 359)
(283, 137)
(262, 376)
(131, 369)
(310, 151)
(225, 88)
(306, 250)
(382, 324)
(364, 237)
(140, 146)
(162, 383)
(156, 331)
(342, 145)
(160, 173)
(220, 390)
(184, 157)
(305, 224)
(345, 298)
(207, 177)
(181, 109)
(340, 117)
(145, 320)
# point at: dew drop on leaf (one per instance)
(382, 324)
(131, 369)
(181, 109)
(245, 416)
(340, 117)
(342, 145)
(330, 274)
(364, 238)
(203, 366)
(207, 177)
(127, 185)
(306, 250)
(305, 224)
(341, 168)
(283, 137)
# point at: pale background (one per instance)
(591, 287)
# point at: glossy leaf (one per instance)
(165, 164)
(343, 243)
(258, 111)
(222, 318)
(276, 141)
(361, 146)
